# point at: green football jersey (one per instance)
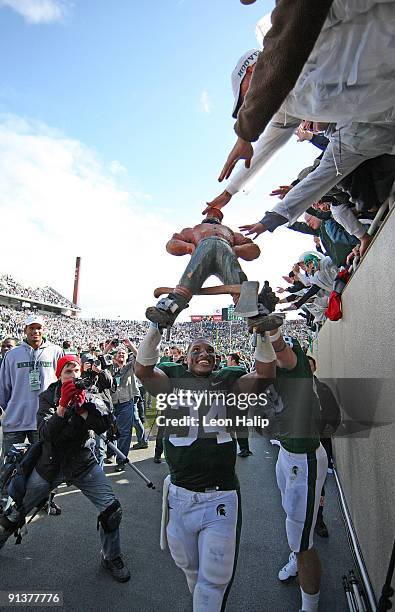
(199, 446)
(298, 409)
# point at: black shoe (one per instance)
(117, 569)
(140, 445)
(321, 529)
(108, 460)
(7, 528)
(245, 452)
(157, 459)
(52, 508)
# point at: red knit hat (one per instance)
(62, 362)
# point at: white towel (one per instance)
(165, 513)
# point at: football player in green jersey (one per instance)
(301, 466)
(202, 505)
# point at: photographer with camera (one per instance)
(98, 379)
(124, 402)
(66, 414)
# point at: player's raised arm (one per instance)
(285, 356)
(265, 365)
(153, 379)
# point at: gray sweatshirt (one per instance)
(126, 383)
(16, 398)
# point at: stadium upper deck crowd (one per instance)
(9, 286)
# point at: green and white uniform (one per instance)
(201, 456)
(302, 462)
(203, 500)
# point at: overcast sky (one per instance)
(115, 121)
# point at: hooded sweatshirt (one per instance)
(16, 398)
(325, 276)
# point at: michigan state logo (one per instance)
(294, 472)
(221, 510)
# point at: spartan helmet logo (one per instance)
(221, 510)
(295, 470)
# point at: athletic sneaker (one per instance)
(290, 570)
(117, 569)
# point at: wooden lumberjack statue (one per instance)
(214, 250)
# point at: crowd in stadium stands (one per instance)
(85, 334)
(9, 286)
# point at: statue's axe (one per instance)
(247, 305)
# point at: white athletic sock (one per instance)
(264, 351)
(310, 602)
(148, 351)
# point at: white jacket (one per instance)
(350, 73)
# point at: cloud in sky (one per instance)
(57, 202)
(39, 11)
(205, 102)
(117, 169)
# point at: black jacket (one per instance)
(64, 451)
(330, 410)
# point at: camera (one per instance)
(94, 362)
(105, 361)
(81, 383)
(115, 342)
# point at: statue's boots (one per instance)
(166, 310)
(263, 322)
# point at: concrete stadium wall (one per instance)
(358, 355)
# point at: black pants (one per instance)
(159, 441)
(242, 438)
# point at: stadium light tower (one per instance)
(76, 280)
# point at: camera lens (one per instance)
(81, 384)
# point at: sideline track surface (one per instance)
(62, 552)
